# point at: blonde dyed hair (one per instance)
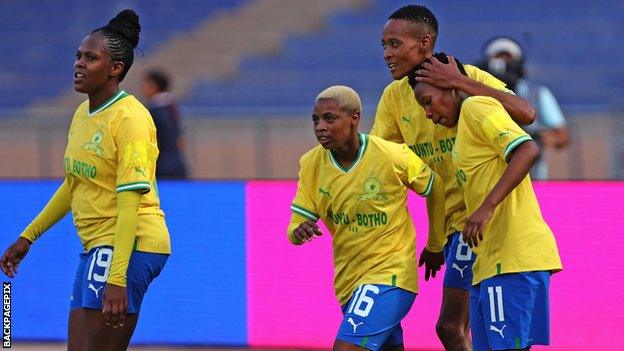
(346, 97)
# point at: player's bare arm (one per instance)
(520, 162)
(447, 76)
(432, 256)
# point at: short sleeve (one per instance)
(414, 173)
(385, 125)
(303, 204)
(490, 120)
(136, 154)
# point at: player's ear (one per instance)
(117, 69)
(425, 44)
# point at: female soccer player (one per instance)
(408, 38)
(110, 189)
(516, 250)
(357, 184)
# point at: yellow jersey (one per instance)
(109, 150)
(365, 209)
(399, 118)
(517, 239)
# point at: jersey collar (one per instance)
(118, 96)
(363, 145)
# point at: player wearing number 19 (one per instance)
(110, 189)
(516, 250)
(357, 184)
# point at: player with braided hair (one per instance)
(110, 188)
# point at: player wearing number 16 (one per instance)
(357, 185)
(110, 189)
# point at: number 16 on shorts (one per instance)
(361, 304)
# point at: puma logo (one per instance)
(325, 192)
(96, 291)
(461, 270)
(500, 331)
(350, 320)
(407, 120)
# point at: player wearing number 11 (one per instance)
(516, 250)
(357, 184)
(110, 189)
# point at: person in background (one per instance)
(161, 105)
(503, 58)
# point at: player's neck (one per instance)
(97, 98)
(347, 153)
(462, 97)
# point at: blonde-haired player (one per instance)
(357, 185)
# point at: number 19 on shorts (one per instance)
(100, 261)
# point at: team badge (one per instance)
(95, 144)
(372, 190)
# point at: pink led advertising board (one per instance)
(290, 295)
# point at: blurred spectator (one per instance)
(166, 115)
(504, 59)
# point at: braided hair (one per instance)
(122, 37)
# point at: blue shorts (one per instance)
(372, 317)
(93, 270)
(459, 260)
(510, 311)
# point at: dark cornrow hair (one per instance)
(417, 14)
(122, 36)
(442, 57)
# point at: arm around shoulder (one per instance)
(518, 108)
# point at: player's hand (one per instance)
(548, 138)
(433, 262)
(307, 231)
(476, 223)
(439, 74)
(115, 305)
(13, 256)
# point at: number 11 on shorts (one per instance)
(496, 300)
